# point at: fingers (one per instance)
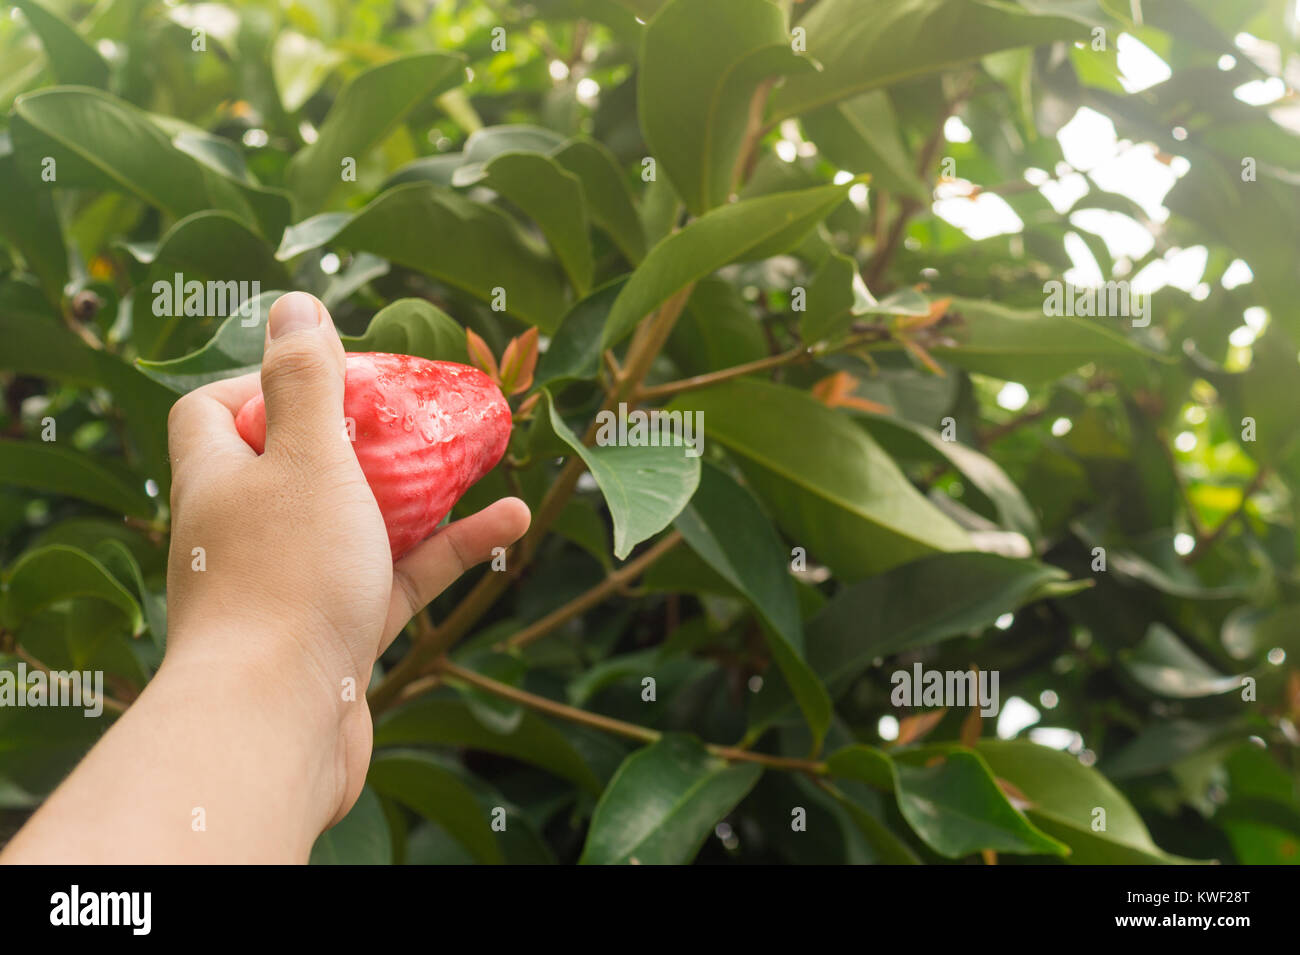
(303, 368)
(203, 421)
(429, 569)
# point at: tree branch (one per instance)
(634, 731)
(585, 601)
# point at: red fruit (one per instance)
(426, 431)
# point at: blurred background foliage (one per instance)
(865, 198)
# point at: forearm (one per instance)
(217, 761)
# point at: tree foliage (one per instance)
(741, 209)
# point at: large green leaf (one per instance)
(574, 351)
(412, 326)
(828, 484)
(419, 781)
(407, 327)
(101, 142)
(663, 802)
(898, 436)
(1064, 797)
(1029, 346)
(40, 745)
(469, 245)
(725, 526)
(950, 800)
(645, 487)
(898, 610)
(534, 741)
(364, 112)
(72, 60)
(700, 64)
(861, 135)
(29, 220)
(47, 575)
(554, 199)
(359, 838)
(57, 470)
(866, 44)
(235, 349)
(609, 200)
(750, 229)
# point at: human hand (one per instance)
(282, 559)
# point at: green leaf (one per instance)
(831, 488)
(29, 220)
(836, 295)
(434, 720)
(645, 487)
(554, 199)
(751, 229)
(469, 245)
(48, 575)
(663, 802)
(299, 65)
(359, 838)
(861, 135)
(915, 605)
(725, 526)
(609, 200)
(867, 44)
(1064, 796)
(1165, 665)
(699, 66)
(412, 326)
(1030, 346)
(364, 113)
(419, 781)
(406, 327)
(235, 349)
(101, 142)
(1014, 512)
(72, 60)
(949, 798)
(574, 351)
(40, 745)
(486, 144)
(56, 470)
(716, 330)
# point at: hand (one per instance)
(282, 559)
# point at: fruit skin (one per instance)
(426, 431)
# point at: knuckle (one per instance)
(296, 363)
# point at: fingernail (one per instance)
(293, 313)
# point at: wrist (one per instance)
(286, 717)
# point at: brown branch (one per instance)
(585, 601)
(883, 257)
(110, 703)
(799, 353)
(634, 731)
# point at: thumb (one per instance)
(303, 368)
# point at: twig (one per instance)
(634, 731)
(110, 703)
(585, 601)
